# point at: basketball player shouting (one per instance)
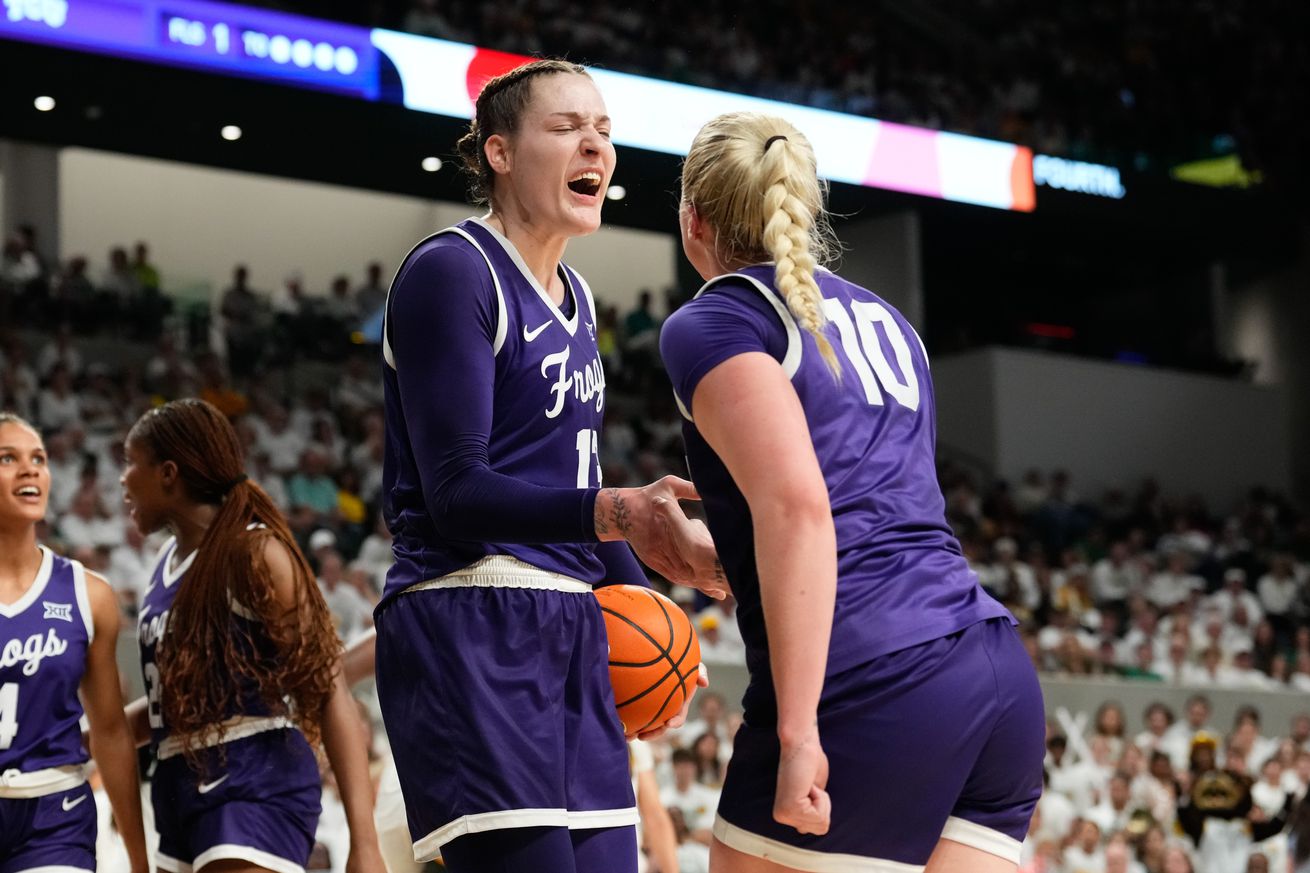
(491, 658)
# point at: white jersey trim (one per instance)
(55, 869)
(429, 847)
(83, 600)
(982, 838)
(812, 861)
(36, 589)
(502, 317)
(17, 785)
(238, 728)
(791, 361)
(569, 324)
(503, 571)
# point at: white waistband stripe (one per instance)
(503, 571)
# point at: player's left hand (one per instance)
(365, 859)
(702, 681)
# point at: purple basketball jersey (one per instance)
(45, 635)
(901, 577)
(152, 625)
(548, 403)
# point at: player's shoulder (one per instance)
(450, 249)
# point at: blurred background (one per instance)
(1094, 214)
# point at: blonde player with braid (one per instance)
(893, 722)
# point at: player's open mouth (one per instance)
(28, 492)
(586, 183)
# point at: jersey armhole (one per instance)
(83, 600)
(502, 317)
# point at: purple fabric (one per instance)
(902, 579)
(485, 450)
(57, 830)
(531, 850)
(499, 699)
(952, 727)
(262, 792)
(44, 658)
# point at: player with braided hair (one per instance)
(893, 719)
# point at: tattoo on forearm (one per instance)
(620, 516)
(603, 526)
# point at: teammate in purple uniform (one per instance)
(491, 651)
(893, 719)
(241, 663)
(58, 634)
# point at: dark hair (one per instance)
(500, 107)
(204, 676)
(685, 756)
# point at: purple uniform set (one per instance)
(491, 652)
(257, 798)
(930, 715)
(47, 815)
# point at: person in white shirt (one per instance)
(695, 801)
(1116, 807)
(1119, 857)
(1175, 583)
(375, 554)
(1178, 739)
(282, 443)
(58, 406)
(1158, 718)
(1115, 576)
(351, 611)
(1234, 593)
(1085, 855)
(1278, 590)
(131, 564)
(87, 523)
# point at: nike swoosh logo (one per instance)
(67, 806)
(530, 335)
(207, 787)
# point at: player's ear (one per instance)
(496, 149)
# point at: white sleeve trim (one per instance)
(982, 838)
(791, 361)
(83, 600)
(502, 317)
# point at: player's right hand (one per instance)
(800, 800)
(694, 545)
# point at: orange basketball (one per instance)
(654, 655)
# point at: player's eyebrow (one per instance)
(579, 116)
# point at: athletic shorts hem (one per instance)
(230, 852)
(809, 860)
(982, 838)
(429, 848)
(171, 865)
(57, 868)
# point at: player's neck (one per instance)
(189, 526)
(540, 251)
(19, 561)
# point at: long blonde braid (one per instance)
(753, 178)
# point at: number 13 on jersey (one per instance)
(588, 457)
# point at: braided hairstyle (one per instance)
(500, 107)
(754, 179)
(204, 665)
